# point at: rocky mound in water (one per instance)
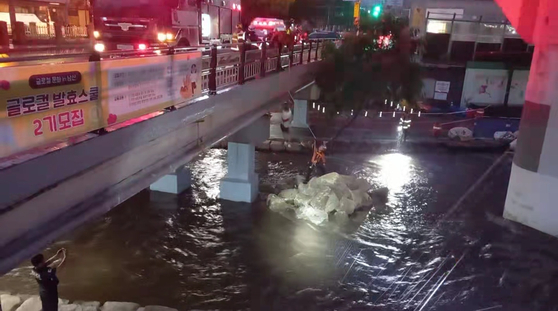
(332, 194)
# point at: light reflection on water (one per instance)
(395, 171)
(198, 252)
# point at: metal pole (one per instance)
(291, 56)
(508, 87)
(301, 53)
(503, 37)
(263, 60)
(242, 48)
(310, 52)
(451, 36)
(477, 38)
(13, 19)
(213, 71)
(200, 39)
(426, 23)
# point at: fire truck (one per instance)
(153, 24)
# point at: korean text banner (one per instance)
(45, 103)
(136, 87)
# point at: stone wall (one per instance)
(10, 302)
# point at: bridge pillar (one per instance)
(531, 197)
(300, 113)
(241, 182)
(174, 183)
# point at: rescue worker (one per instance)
(44, 272)
(286, 118)
(318, 161)
(405, 124)
(238, 35)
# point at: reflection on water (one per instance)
(196, 252)
(395, 171)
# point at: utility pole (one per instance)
(356, 16)
(13, 20)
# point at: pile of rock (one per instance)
(33, 303)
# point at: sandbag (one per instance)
(513, 144)
(504, 136)
(321, 196)
(461, 133)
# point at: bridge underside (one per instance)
(88, 179)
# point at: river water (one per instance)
(429, 248)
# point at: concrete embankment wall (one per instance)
(10, 302)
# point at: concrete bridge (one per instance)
(52, 194)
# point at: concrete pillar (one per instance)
(241, 182)
(531, 198)
(4, 36)
(300, 113)
(174, 183)
(19, 36)
(58, 34)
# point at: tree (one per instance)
(370, 67)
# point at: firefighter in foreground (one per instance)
(405, 124)
(318, 161)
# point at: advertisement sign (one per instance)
(41, 104)
(484, 86)
(227, 59)
(442, 86)
(135, 87)
(518, 87)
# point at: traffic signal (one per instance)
(377, 10)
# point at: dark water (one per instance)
(421, 251)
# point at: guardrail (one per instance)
(43, 104)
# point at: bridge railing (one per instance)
(44, 104)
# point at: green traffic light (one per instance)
(377, 11)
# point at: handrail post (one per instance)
(291, 56)
(263, 60)
(279, 67)
(310, 51)
(317, 48)
(213, 71)
(301, 61)
(242, 49)
(96, 57)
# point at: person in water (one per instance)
(318, 161)
(45, 274)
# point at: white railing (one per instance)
(296, 58)
(44, 31)
(284, 60)
(205, 81)
(271, 65)
(227, 76)
(75, 32)
(251, 69)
